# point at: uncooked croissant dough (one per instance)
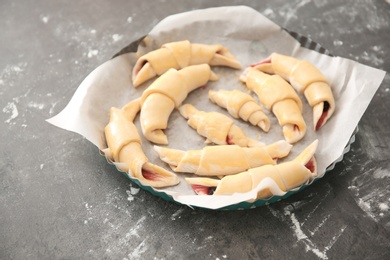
(167, 92)
(124, 145)
(216, 127)
(305, 78)
(222, 160)
(241, 105)
(179, 55)
(287, 176)
(277, 95)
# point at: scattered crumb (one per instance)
(11, 108)
(117, 37)
(130, 193)
(177, 214)
(92, 53)
(383, 207)
(36, 105)
(268, 12)
(45, 19)
(337, 43)
(134, 191)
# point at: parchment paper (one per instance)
(250, 37)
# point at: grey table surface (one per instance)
(59, 199)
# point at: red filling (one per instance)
(203, 190)
(323, 116)
(152, 176)
(140, 67)
(229, 140)
(261, 62)
(311, 166)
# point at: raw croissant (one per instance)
(179, 55)
(241, 105)
(287, 176)
(124, 145)
(216, 127)
(305, 78)
(167, 92)
(277, 95)
(222, 159)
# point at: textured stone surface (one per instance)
(60, 199)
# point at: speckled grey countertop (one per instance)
(60, 200)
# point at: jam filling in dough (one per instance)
(241, 105)
(166, 93)
(216, 127)
(124, 145)
(306, 79)
(223, 159)
(279, 97)
(178, 55)
(287, 176)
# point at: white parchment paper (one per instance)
(250, 37)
